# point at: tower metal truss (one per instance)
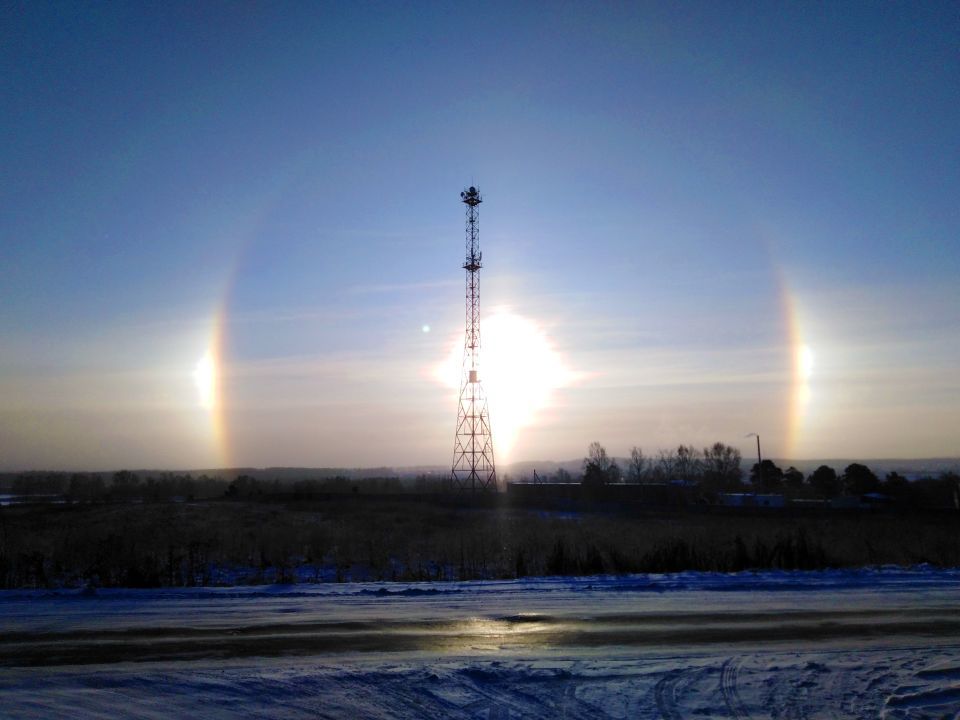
(473, 466)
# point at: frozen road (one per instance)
(781, 645)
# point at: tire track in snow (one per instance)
(568, 701)
(841, 687)
(492, 704)
(488, 709)
(665, 695)
(728, 688)
(498, 712)
(790, 696)
(931, 692)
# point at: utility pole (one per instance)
(759, 458)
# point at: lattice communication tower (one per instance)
(473, 466)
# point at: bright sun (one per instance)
(205, 378)
(519, 368)
(805, 361)
(802, 371)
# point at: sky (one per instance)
(231, 235)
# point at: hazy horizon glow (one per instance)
(233, 236)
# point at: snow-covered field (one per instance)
(872, 643)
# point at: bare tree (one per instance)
(689, 465)
(721, 467)
(664, 469)
(637, 470)
(598, 467)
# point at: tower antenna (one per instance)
(473, 466)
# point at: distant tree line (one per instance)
(126, 486)
(248, 487)
(123, 485)
(708, 472)
(717, 468)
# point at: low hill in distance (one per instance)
(910, 468)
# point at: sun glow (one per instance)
(802, 372)
(520, 369)
(208, 382)
(805, 361)
(802, 361)
(803, 364)
(205, 378)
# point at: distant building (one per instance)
(813, 503)
(752, 500)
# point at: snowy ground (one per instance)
(877, 643)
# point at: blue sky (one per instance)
(715, 220)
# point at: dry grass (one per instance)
(154, 544)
